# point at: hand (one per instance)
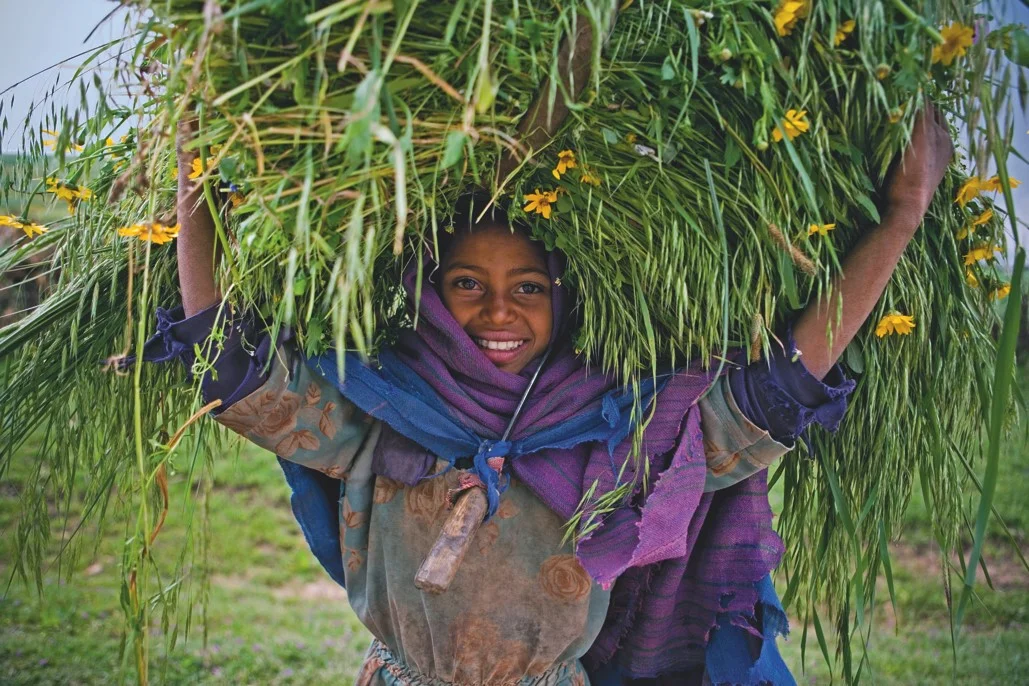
(917, 175)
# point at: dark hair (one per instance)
(472, 210)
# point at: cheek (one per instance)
(542, 324)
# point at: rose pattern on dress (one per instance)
(427, 500)
(563, 578)
(507, 508)
(385, 489)
(486, 536)
(280, 417)
(244, 414)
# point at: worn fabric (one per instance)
(386, 527)
(382, 668)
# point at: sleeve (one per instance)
(235, 358)
(754, 414)
(284, 407)
(301, 417)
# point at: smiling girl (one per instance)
(486, 392)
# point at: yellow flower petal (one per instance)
(34, 228)
(981, 253)
(983, 218)
(10, 220)
(957, 38)
(198, 169)
(969, 189)
(1001, 292)
(843, 31)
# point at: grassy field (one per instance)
(274, 617)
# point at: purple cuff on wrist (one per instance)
(782, 397)
(239, 368)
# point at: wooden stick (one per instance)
(540, 123)
(440, 565)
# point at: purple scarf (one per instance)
(677, 557)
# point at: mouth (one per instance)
(501, 352)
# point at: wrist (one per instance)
(906, 217)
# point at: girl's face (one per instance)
(496, 285)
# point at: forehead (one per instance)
(495, 247)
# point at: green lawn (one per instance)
(275, 617)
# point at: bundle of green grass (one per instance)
(703, 165)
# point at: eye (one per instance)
(465, 283)
(529, 288)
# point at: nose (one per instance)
(498, 309)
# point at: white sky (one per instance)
(40, 33)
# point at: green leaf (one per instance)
(1002, 378)
(453, 151)
(871, 211)
(854, 357)
(667, 69)
(732, 153)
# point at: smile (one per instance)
(499, 345)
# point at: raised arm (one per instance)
(195, 245)
(868, 267)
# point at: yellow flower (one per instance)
(155, 232)
(957, 38)
(198, 169)
(993, 184)
(29, 228)
(10, 220)
(62, 191)
(34, 228)
(896, 114)
(1000, 292)
(969, 189)
(895, 322)
(108, 142)
(985, 252)
(565, 161)
(630, 138)
(970, 279)
(540, 202)
(51, 144)
(983, 218)
(882, 71)
(787, 14)
(844, 29)
(820, 229)
(237, 198)
(589, 177)
(795, 124)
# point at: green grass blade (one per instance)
(1002, 377)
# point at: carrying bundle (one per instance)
(703, 166)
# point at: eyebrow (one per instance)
(517, 271)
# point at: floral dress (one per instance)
(521, 609)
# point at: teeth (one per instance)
(498, 345)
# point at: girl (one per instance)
(671, 587)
